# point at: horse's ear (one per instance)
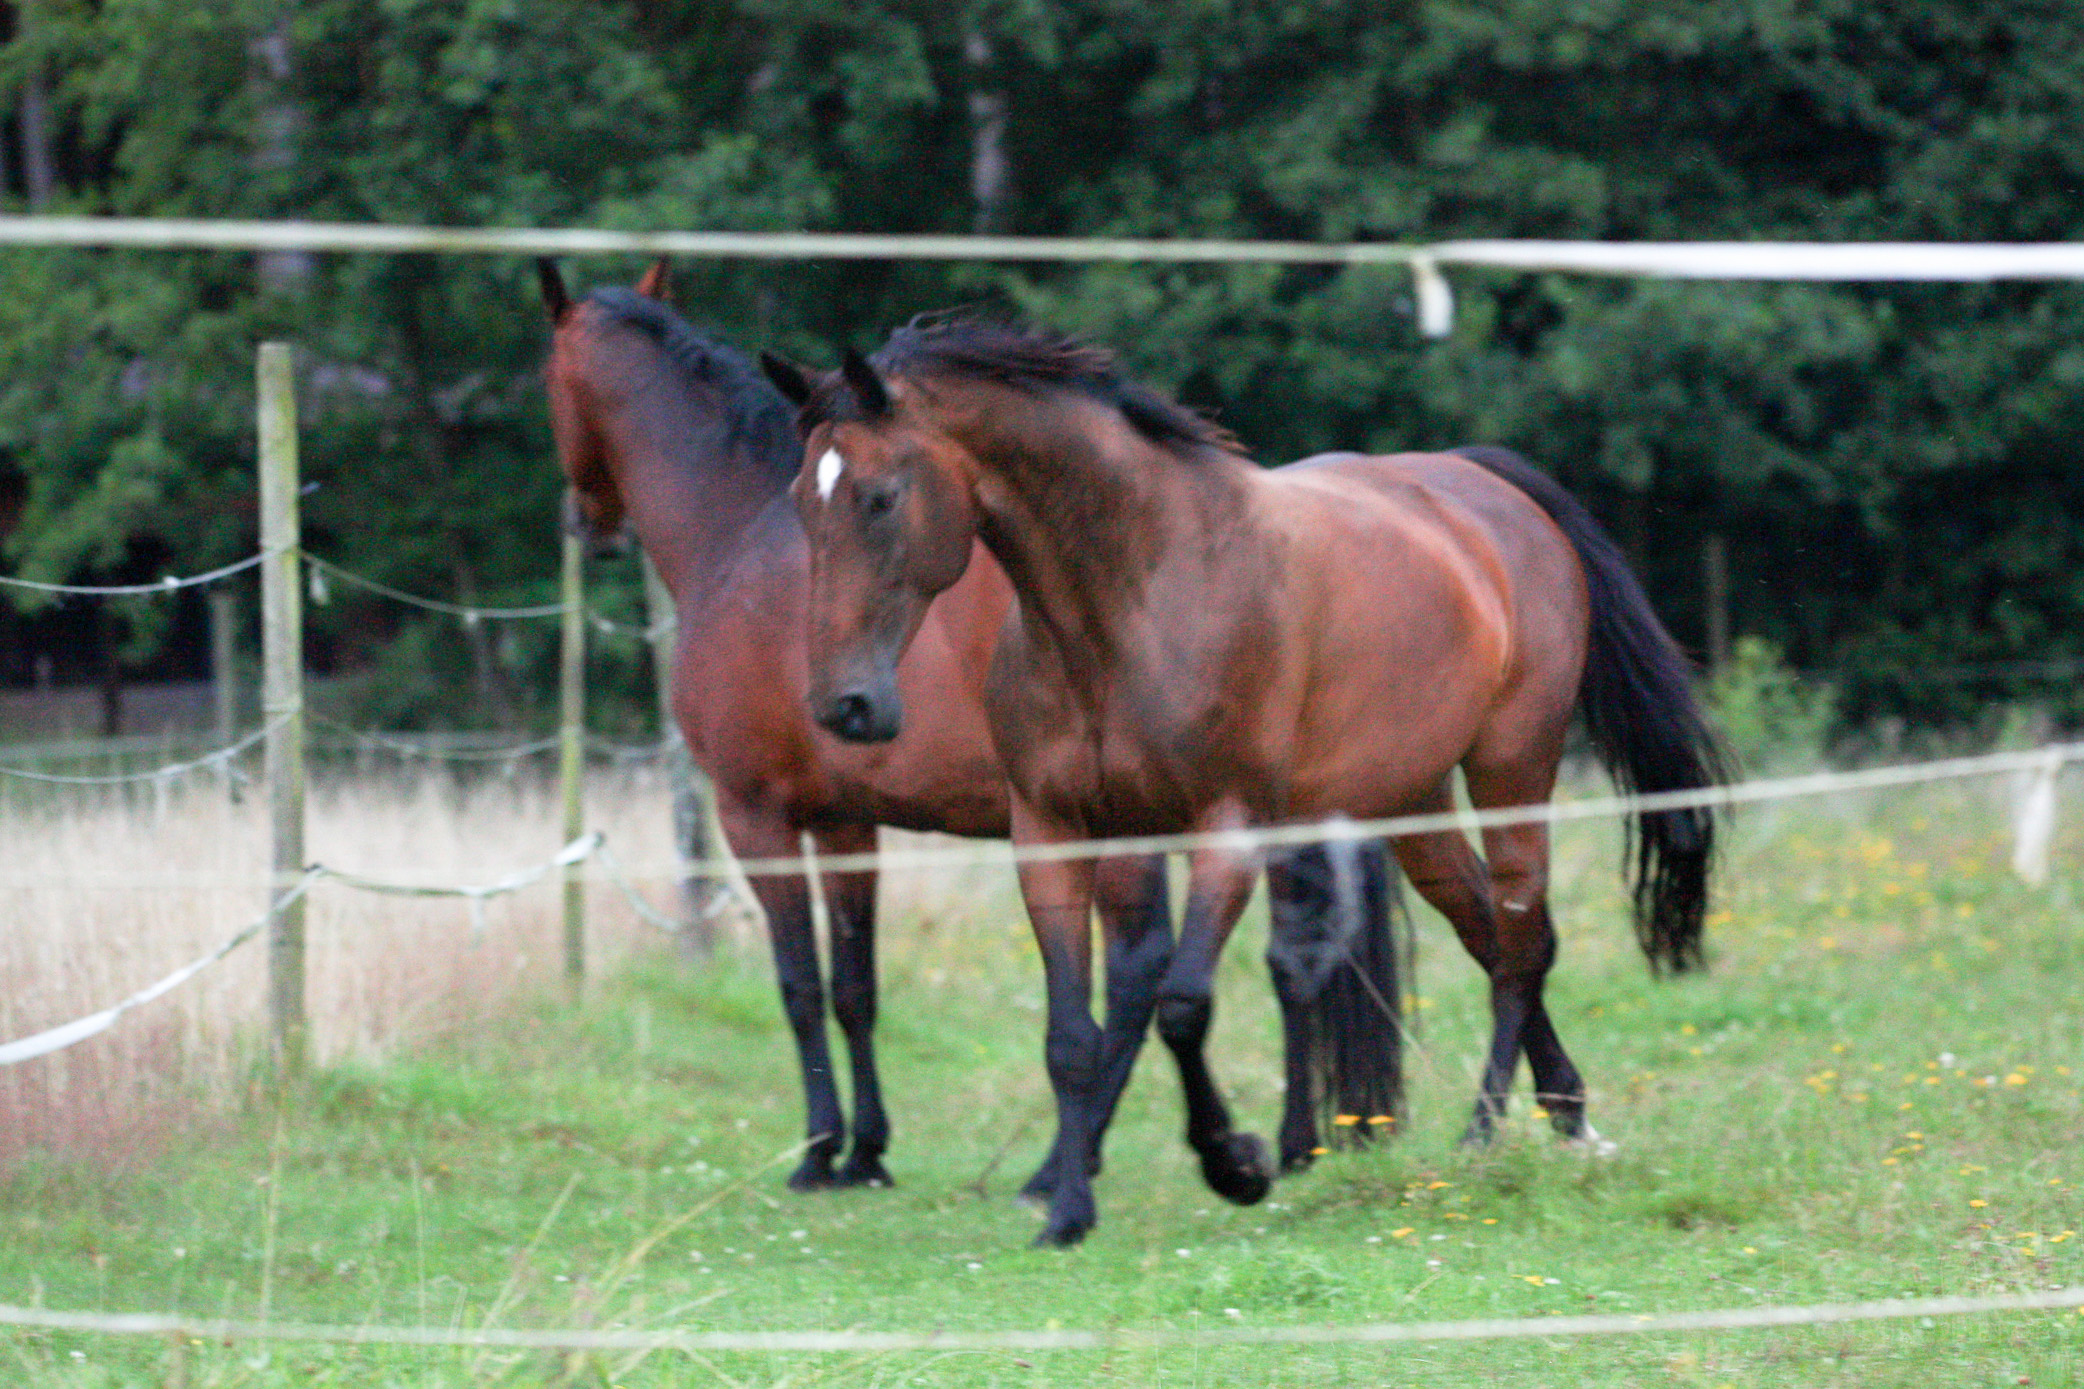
(555, 299)
(791, 380)
(656, 282)
(867, 386)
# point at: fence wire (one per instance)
(218, 760)
(468, 612)
(170, 584)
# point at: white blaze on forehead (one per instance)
(829, 468)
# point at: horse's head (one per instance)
(593, 504)
(886, 503)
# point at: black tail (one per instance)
(1644, 720)
(1333, 953)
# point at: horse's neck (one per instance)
(694, 511)
(1094, 527)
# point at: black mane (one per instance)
(754, 412)
(1030, 358)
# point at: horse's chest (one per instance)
(1128, 765)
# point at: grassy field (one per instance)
(1874, 1093)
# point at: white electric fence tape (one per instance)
(58, 1038)
(1840, 262)
(1718, 260)
(1290, 836)
(1123, 1338)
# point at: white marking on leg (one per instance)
(1516, 906)
(1592, 1143)
(829, 468)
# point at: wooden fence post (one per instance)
(282, 699)
(571, 758)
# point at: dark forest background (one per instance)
(1889, 470)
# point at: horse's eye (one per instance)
(878, 499)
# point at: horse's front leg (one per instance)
(1059, 897)
(1136, 921)
(850, 906)
(1237, 1166)
(785, 898)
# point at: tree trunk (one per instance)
(988, 167)
(430, 439)
(274, 149)
(111, 674)
(1715, 580)
(38, 175)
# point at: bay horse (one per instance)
(1203, 645)
(670, 434)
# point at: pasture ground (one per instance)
(1874, 1093)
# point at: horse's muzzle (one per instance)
(861, 716)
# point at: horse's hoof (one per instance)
(860, 1171)
(1071, 1215)
(1299, 1148)
(1590, 1143)
(1240, 1170)
(812, 1177)
(1483, 1127)
(1056, 1235)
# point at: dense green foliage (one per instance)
(1889, 465)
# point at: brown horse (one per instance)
(1204, 645)
(677, 437)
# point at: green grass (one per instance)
(1874, 1093)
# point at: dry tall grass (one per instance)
(107, 892)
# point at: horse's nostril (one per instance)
(848, 715)
(858, 718)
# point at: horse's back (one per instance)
(1454, 511)
(1441, 603)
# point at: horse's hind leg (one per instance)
(1136, 920)
(785, 898)
(1449, 875)
(1518, 856)
(850, 906)
(1500, 913)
